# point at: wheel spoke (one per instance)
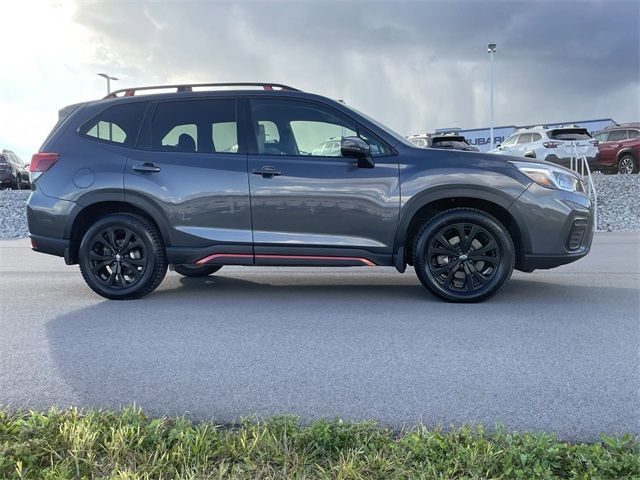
(128, 248)
(440, 251)
(127, 238)
(461, 235)
(111, 278)
(470, 238)
(94, 256)
(474, 271)
(445, 243)
(132, 269)
(445, 268)
(484, 258)
(138, 262)
(98, 266)
(112, 239)
(449, 278)
(492, 245)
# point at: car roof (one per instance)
(621, 126)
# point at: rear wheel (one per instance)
(122, 257)
(463, 255)
(196, 270)
(627, 164)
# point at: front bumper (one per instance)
(556, 227)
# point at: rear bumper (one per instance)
(49, 245)
(47, 218)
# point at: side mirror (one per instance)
(499, 145)
(355, 147)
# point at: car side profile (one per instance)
(619, 148)
(198, 177)
(443, 140)
(556, 145)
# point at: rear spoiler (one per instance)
(63, 114)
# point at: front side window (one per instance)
(291, 127)
(602, 137)
(195, 126)
(510, 141)
(118, 125)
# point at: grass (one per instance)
(128, 445)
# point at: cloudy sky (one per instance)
(415, 66)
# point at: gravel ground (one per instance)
(618, 206)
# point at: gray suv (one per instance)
(198, 178)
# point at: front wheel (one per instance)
(196, 270)
(122, 257)
(463, 255)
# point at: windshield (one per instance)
(395, 135)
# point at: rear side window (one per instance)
(617, 135)
(118, 125)
(633, 134)
(524, 138)
(195, 126)
(536, 137)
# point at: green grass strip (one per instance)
(128, 445)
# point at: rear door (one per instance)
(191, 168)
(609, 149)
(306, 199)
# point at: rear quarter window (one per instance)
(117, 125)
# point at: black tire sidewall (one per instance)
(471, 216)
(138, 227)
(196, 270)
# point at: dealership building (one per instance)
(481, 137)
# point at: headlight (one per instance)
(550, 177)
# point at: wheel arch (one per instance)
(626, 151)
(416, 214)
(87, 214)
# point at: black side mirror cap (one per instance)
(355, 147)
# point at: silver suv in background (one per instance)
(14, 173)
(554, 145)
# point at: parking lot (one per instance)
(556, 351)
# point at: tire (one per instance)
(122, 257)
(196, 270)
(457, 274)
(627, 164)
(18, 182)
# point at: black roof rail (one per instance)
(188, 87)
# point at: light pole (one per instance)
(491, 48)
(109, 78)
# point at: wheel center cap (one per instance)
(463, 257)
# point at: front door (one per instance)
(190, 169)
(308, 203)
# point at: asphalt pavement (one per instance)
(556, 350)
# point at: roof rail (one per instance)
(188, 87)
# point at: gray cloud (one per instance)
(413, 65)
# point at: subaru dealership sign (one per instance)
(481, 138)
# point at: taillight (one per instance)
(41, 162)
(552, 144)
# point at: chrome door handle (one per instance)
(147, 168)
(266, 172)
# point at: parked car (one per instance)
(14, 172)
(619, 148)
(446, 140)
(129, 184)
(555, 145)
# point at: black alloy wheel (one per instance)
(464, 255)
(122, 257)
(196, 270)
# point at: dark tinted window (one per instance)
(633, 134)
(569, 134)
(195, 126)
(617, 135)
(118, 125)
(291, 127)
